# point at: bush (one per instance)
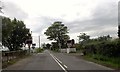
(38, 50)
(105, 48)
(72, 52)
(108, 59)
(78, 46)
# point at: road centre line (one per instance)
(65, 66)
(61, 62)
(58, 59)
(58, 63)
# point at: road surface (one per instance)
(55, 61)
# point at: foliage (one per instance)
(38, 50)
(54, 46)
(44, 46)
(106, 48)
(103, 45)
(78, 46)
(119, 31)
(10, 57)
(14, 33)
(107, 61)
(83, 38)
(57, 32)
(104, 38)
(103, 49)
(48, 46)
(0, 30)
(1, 7)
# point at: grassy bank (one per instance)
(13, 61)
(55, 50)
(102, 50)
(21, 56)
(39, 50)
(103, 60)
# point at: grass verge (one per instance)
(39, 50)
(106, 61)
(11, 62)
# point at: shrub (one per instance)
(78, 46)
(38, 50)
(106, 48)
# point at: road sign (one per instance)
(70, 43)
(33, 45)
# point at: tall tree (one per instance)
(83, 37)
(54, 46)
(14, 33)
(57, 32)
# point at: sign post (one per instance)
(68, 49)
(29, 42)
(33, 47)
(70, 44)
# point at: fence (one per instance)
(10, 55)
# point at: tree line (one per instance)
(102, 49)
(104, 45)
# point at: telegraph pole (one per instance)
(39, 41)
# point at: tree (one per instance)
(57, 32)
(119, 31)
(54, 46)
(48, 46)
(64, 40)
(1, 7)
(44, 46)
(104, 38)
(83, 37)
(14, 33)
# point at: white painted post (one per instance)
(68, 50)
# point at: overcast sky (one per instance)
(94, 17)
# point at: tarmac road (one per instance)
(49, 60)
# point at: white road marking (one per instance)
(65, 66)
(58, 59)
(58, 63)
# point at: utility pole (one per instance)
(39, 41)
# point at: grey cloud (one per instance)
(12, 10)
(44, 22)
(95, 24)
(103, 17)
(119, 13)
(106, 9)
(105, 32)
